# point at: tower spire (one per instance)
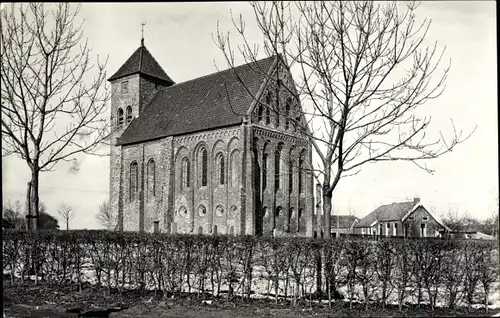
(142, 32)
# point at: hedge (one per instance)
(456, 271)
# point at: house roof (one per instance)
(342, 221)
(211, 101)
(142, 62)
(389, 212)
(420, 205)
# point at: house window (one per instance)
(388, 229)
(204, 167)
(151, 177)
(120, 117)
(362, 231)
(423, 230)
(220, 168)
(381, 229)
(411, 218)
(185, 173)
(133, 181)
(264, 171)
(290, 177)
(425, 218)
(395, 229)
(287, 113)
(129, 114)
(125, 87)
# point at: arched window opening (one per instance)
(287, 113)
(278, 211)
(235, 160)
(204, 167)
(260, 112)
(290, 176)
(120, 117)
(268, 109)
(301, 188)
(185, 173)
(277, 168)
(151, 180)
(133, 180)
(129, 114)
(277, 118)
(220, 169)
(264, 172)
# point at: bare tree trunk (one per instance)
(34, 199)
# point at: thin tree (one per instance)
(362, 70)
(53, 98)
(66, 213)
(105, 216)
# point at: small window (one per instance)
(125, 87)
(425, 218)
(264, 171)
(220, 169)
(151, 180)
(260, 112)
(185, 173)
(287, 113)
(133, 181)
(277, 164)
(411, 218)
(204, 167)
(268, 109)
(202, 210)
(129, 114)
(290, 176)
(120, 117)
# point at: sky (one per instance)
(180, 37)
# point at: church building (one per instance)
(224, 153)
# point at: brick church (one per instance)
(220, 154)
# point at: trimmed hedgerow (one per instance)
(286, 268)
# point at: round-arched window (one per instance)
(278, 211)
(202, 210)
(265, 212)
(183, 211)
(219, 210)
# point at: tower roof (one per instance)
(142, 62)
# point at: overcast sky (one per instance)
(179, 35)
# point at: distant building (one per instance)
(409, 219)
(473, 234)
(342, 224)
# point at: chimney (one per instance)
(416, 200)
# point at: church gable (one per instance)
(278, 105)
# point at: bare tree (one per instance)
(105, 216)
(54, 99)
(66, 213)
(362, 71)
(13, 216)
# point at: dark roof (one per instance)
(142, 62)
(388, 212)
(342, 221)
(199, 104)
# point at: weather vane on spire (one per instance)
(142, 32)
